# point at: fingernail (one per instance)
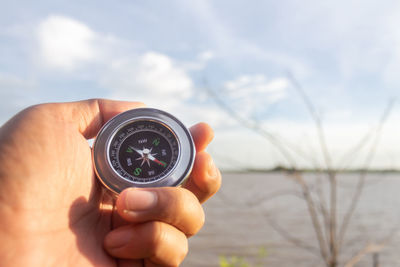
(118, 239)
(140, 200)
(212, 169)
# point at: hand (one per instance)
(54, 212)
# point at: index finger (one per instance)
(202, 135)
(205, 179)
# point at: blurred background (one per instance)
(301, 95)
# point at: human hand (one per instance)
(54, 212)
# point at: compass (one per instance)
(143, 147)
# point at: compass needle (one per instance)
(137, 150)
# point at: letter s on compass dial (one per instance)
(143, 148)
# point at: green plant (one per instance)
(237, 261)
(233, 261)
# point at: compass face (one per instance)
(144, 151)
(143, 147)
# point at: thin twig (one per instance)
(315, 116)
(253, 126)
(361, 180)
(369, 248)
(282, 193)
(314, 216)
(286, 235)
(328, 163)
(353, 152)
(324, 211)
(372, 247)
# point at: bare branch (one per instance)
(361, 180)
(369, 248)
(286, 235)
(328, 163)
(273, 139)
(351, 155)
(372, 247)
(314, 216)
(320, 194)
(282, 193)
(315, 116)
(284, 147)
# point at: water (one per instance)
(250, 210)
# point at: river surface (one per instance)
(261, 211)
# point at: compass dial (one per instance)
(143, 148)
(144, 151)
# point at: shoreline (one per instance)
(288, 171)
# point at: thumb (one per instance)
(90, 115)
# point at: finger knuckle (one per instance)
(183, 252)
(162, 238)
(156, 236)
(209, 182)
(191, 208)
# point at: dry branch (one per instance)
(314, 216)
(361, 181)
(369, 248)
(286, 235)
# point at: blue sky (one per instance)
(345, 54)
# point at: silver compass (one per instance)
(143, 147)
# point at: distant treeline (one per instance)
(304, 170)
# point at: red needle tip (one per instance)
(160, 162)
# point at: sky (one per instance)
(234, 64)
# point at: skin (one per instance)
(54, 212)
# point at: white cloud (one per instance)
(233, 48)
(351, 37)
(257, 83)
(206, 56)
(257, 87)
(200, 63)
(252, 95)
(213, 115)
(152, 77)
(158, 72)
(306, 151)
(65, 43)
